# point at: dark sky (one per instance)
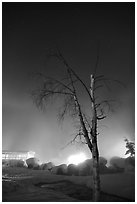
(29, 30)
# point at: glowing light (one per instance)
(77, 158)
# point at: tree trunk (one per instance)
(96, 176)
(95, 152)
(95, 157)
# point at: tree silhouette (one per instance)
(130, 148)
(68, 89)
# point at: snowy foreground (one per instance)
(20, 184)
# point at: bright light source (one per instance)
(77, 158)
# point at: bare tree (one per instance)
(67, 89)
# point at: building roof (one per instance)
(7, 151)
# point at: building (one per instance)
(19, 155)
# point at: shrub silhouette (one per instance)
(72, 170)
(32, 162)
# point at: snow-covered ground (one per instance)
(20, 184)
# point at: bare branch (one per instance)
(73, 140)
(86, 120)
(101, 118)
(51, 79)
(98, 77)
(111, 79)
(74, 73)
(100, 86)
(56, 92)
(68, 107)
(105, 102)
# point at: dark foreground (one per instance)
(33, 186)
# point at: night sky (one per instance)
(29, 30)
